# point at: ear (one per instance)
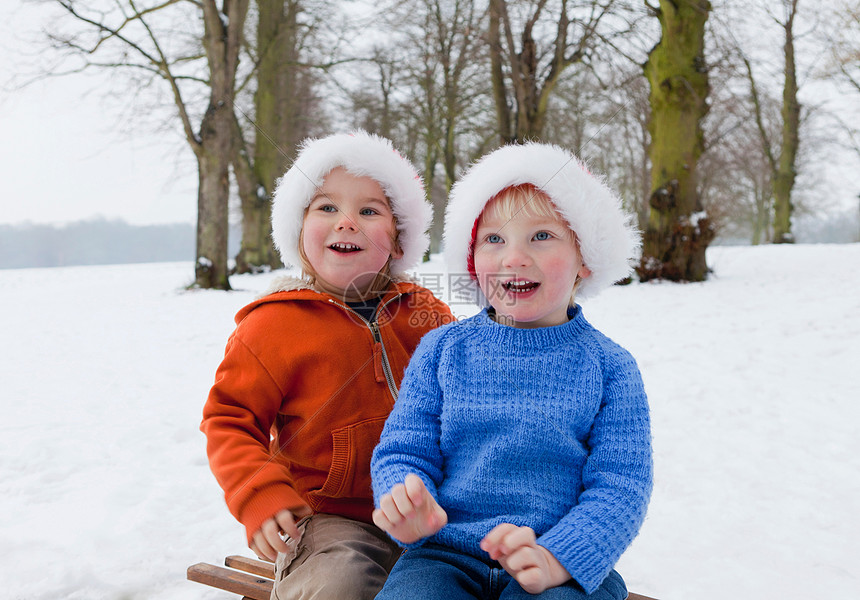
(396, 251)
(584, 272)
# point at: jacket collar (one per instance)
(291, 283)
(290, 287)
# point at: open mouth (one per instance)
(519, 286)
(344, 247)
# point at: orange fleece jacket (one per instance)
(301, 396)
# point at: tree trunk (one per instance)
(437, 199)
(783, 181)
(497, 75)
(257, 251)
(222, 39)
(278, 109)
(213, 167)
(678, 231)
(761, 215)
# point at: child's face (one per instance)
(348, 234)
(527, 267)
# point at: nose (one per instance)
(516, 256)
(345, 223)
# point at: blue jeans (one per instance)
(433, 572)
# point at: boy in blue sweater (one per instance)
(517, 459)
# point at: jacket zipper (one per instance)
(377, 338)
(386, 367)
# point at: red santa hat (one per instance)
(607, 237)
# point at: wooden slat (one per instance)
(251, 586)
(255, 583)
(249, 565)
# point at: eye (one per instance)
(494, 238)
(542, 235)
(329, 208)
(366, 212)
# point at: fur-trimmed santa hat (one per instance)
(362, 154)
(607, 238)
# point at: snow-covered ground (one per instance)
(753, 377)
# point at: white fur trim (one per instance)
(361, 154)
(291, 283)
(286, 283)
(608, 240)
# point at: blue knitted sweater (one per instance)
(545, 427)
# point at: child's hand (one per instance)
(533, 566)
(409, 513)
(267, 542)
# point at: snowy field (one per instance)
(753, 380)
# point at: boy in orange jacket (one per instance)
(313, 367)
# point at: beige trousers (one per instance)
(336, 559)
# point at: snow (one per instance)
(752, 376)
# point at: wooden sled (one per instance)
(253, 579)
(250, 578)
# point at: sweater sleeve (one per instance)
(410, 439)
(617, 481)
(237, 420)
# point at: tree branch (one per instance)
(163, 65)
(156, 63)
(765, 139)
(136, 16)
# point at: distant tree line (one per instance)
(103, 242)
(673, 100)
(93, 242)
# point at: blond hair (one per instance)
(528, 200)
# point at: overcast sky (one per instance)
(66, 154)
(63, 154)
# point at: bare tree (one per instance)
(120, 35)
(375, 99)
(782, 162)
(746, 127)
(282, 103)
(604, 119)
(425, 88)
(734, 177)
(445, 91)
(678, 231)
(525, 73)
(222, 40)
(845, 43)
